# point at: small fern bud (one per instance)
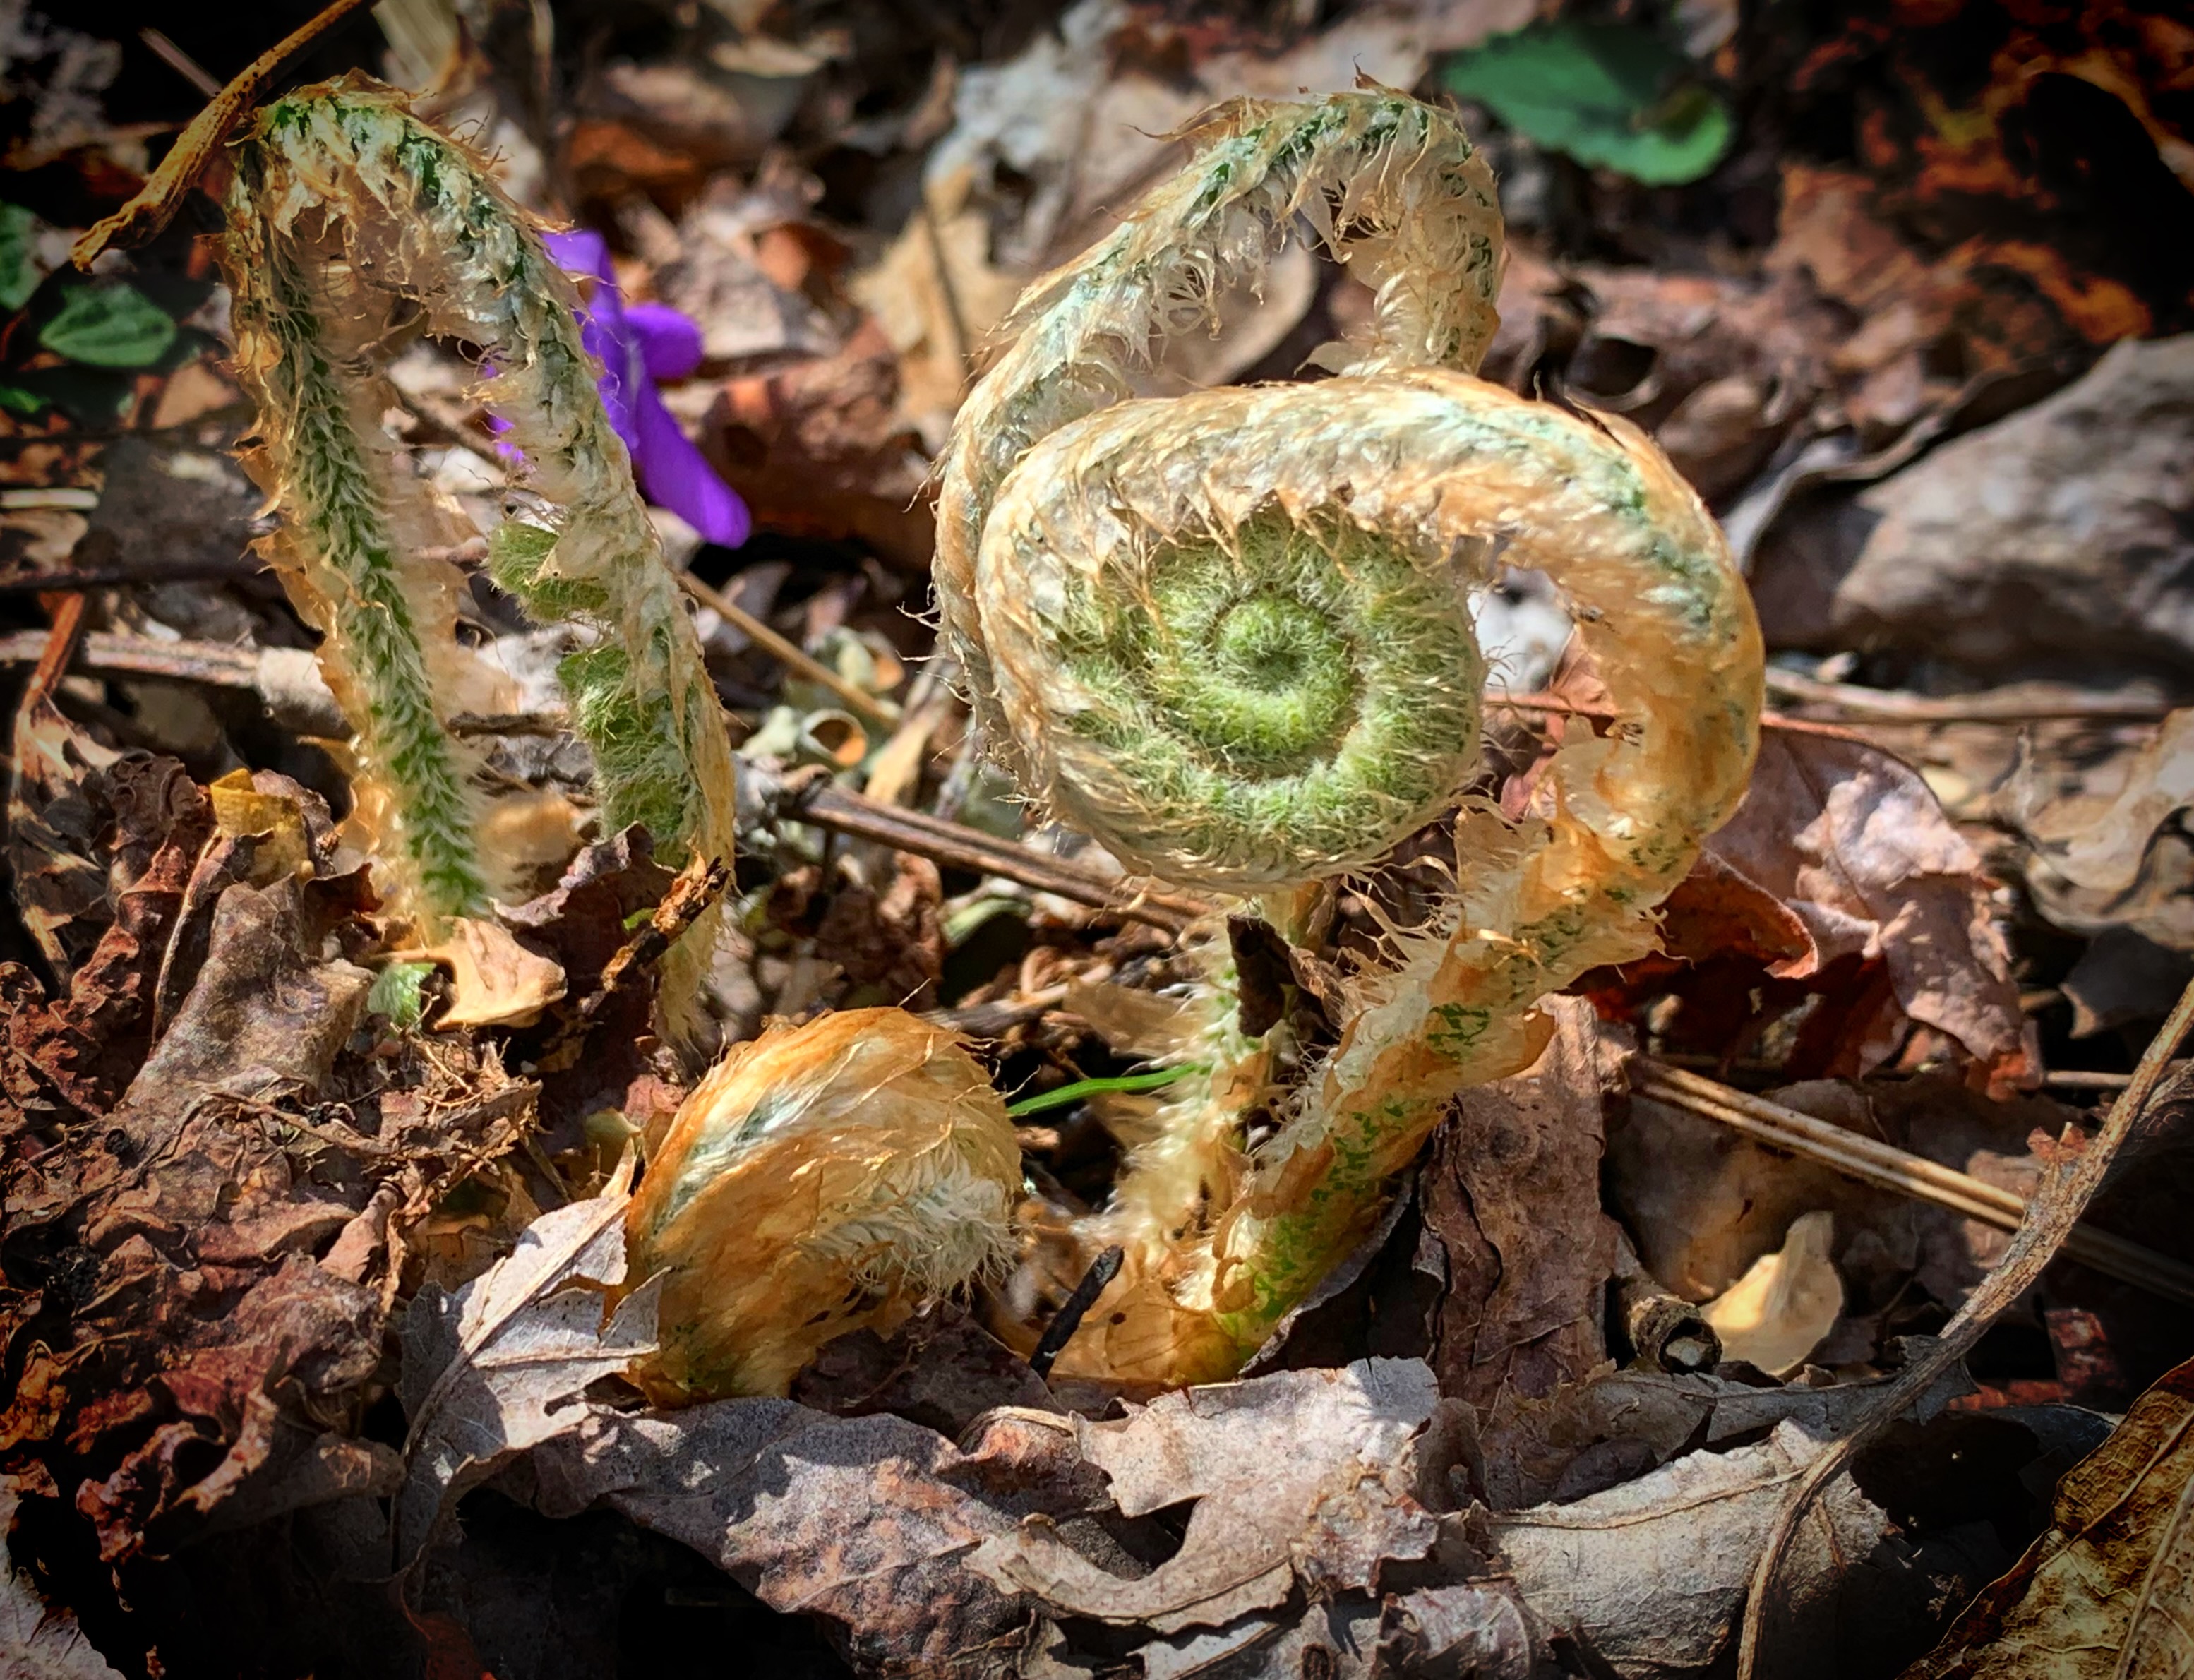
(821, 1179)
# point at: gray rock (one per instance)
(2061, 536)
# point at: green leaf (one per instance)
(1091, 1087)
(19, 275)
(1614, 95)
(395, 993)
(115, 326)
(15, 399)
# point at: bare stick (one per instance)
(814, 799)
(872, 707)
(1868, 1160)
(2065, 1193)
(1993, 705)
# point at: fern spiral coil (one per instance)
(1228, 634)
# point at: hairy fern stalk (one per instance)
(350, 224)
(1228, 634)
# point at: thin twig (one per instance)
(873, 707)
(214, 664)
(148, 566)
(1056, 1334)
(181, 62)
(1871, 1161)
(815, 800)
(2070, 1186)
(1992, 705)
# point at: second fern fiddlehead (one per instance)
(348, 219)
(1228, 634)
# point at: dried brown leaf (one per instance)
(496, 982)
(1301, 1480)
(865, 1521)
(2108, 1591)
(500, 1366)
(1511, 1199)
(1853, 843)
(1651, 1576)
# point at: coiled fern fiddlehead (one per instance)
(350, 222)
(1228, 634)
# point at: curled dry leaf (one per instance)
(497, 981)
(2099, 863)
(2108, 1593)
(1840, 843)
(1301, 1479)
(500, 1366)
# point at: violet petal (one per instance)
(676, 475)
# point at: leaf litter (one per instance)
(308, 1230)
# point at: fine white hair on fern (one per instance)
(351, 220)
(1228, 634)
(822, 1180)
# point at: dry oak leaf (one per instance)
(867, 1522)
(1300, 1478)
(1853, 844)
(499, 1367)
(2108, 1593)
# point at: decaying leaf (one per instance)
(865, 1521)
(496, 981)
(1299, 1478)
(2098, 864)
(2108, 1593)
(81, 1050)
(1852, 844)
(1510, 1202)
(499, 1366)
(1588, 1436)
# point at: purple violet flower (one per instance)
(636, 345)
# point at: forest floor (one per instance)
(1871, 1190)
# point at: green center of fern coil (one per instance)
(1264, 684)
(1310, 694)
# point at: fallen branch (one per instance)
(2073, 1179)
(1885, 1167)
